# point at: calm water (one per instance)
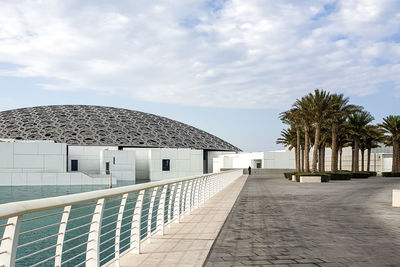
(20, 193)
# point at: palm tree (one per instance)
(343, 140)
(288, 138)
(325, 140)
(340, 109)
(391, 125)
(292, 117)
(315, 107)
(373, 137)
(357, 122)
(303, 116)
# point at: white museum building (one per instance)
(381, 160)
(79, 144)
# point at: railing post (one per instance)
(196, 193)
(208, 187)
(136, 221)
(118, 228)
(8, 248)
(171, 194)
(61, 235)
(213, 185)
(150, 212)
(161, 211)
(184, 199)
(202, 190)
(177, 203)
(93, 245)
(188, 197)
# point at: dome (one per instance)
(104, 126)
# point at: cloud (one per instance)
(254, 53)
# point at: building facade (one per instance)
(77, 144)
(380, 161)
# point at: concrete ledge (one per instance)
(396, 198)
(310, 179)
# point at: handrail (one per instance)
(17, 208)
(115, 215)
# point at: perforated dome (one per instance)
(104, 126)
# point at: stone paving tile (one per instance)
(188, 243)
(342, 223)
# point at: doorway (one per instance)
(74, 165)
(257, 163)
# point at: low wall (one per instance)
(66, 178)
(273, 173)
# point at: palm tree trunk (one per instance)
(340, 158)
(395, 167)
(362, 159)
(297, 149)
(302, 158)
(368, 159)
(394, 161)
(356, 156)
(316, 147)
(320, 159)
(307, 149)
(323, 158)
(398, 156)
(334, 157)
(352, 157)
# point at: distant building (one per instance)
(381, 160)
(78, 144)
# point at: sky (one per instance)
(228, 67)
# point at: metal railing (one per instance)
(97, 228)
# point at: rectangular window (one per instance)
(114, 160)
(165, 164)
(107, 167)
(74, 165)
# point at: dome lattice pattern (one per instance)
(104, 126)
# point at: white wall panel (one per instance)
(34, 178)
(183, 162)
(54, 163)
(18, 179)
(50, 178)
(5, 179)
(48, 148)
(6, 155)
(26, 147)
(28, 162)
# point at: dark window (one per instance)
(107, 167)
(74, 165)
(165, 164)
(114, 160)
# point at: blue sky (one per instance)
(227, 67)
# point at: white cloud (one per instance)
(234, 53)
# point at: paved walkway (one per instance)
(188, 243)
(275, 222)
